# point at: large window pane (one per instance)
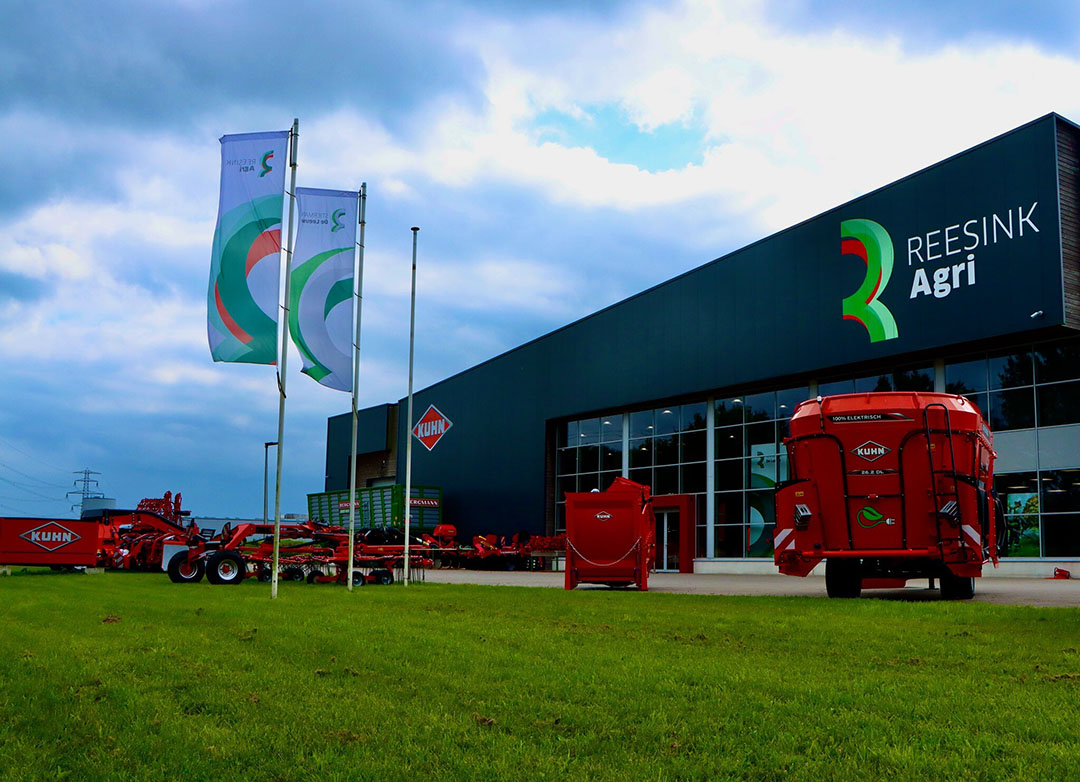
(729, 474)
(589, 431)
(761, 472)
(760, 407)
(920, 379)
(606, 479)
(1060, 490)
(1010, 370)
(641, 423)
(836, 387)
(588, 482)
(611, 456)
(566, 461)
(1012, 409)
(760, 439)
(729, 442)
(641, 452)
(965, 377)
(1018, 492)
(1057, 361)
(1058, 403)
(560, 518)
(873, 383)
(729, 507)
(665, 480)
(667, 420)
(693, 478)
(730, 540)
(611, 428)
(761, 522)
(693, 416)
(564, 485)
(666, 449)
(788, 399)
(728, 411)
(1061, 535)
(692, 446)
(570, 431)
(643, 476)
(982, 402)
(1020, 537)
(589, 458)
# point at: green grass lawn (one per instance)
(127, 676)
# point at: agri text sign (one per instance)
(431, 427)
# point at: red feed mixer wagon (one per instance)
(610, 536)
(887, 487)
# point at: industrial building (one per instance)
(963, 277)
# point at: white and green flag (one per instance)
(242, 301)
(321, 296)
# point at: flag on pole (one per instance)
(245, 265)
(321, 297)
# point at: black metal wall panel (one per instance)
(770, 310)
(371, 435)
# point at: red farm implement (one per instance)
(610, 536)
(887, 487)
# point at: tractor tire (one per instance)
(293, 573)
(383, 577)
(358, 579)
(956, 587)
(225, 567)
(843, 578)
(183, 572)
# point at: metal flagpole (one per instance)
(408, 436)
(283, 357)
(359, 274)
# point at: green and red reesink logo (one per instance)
(870, 242)
(266, 167)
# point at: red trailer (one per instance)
(610, 536)
(887, 487)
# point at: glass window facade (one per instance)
(668, 448)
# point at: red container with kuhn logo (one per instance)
(47, 542)
(610, 536)
(887, 487)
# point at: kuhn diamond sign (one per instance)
(431, 427)
(50, 536)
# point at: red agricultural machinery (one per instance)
(610, 536)
(887, 487)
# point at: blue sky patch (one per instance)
(609, 131)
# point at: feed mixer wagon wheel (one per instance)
(183, 572)
(843, 577)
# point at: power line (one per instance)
(31, 477)
(32, 458)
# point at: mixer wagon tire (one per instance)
(383, 577)
(265, 575)
(293, 573)
(314, 574)
(843, 577)
(358, 579)
(183, 572)
(956, 587)
(225, 567)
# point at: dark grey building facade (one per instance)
(963, 277)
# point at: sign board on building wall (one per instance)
(431, 427)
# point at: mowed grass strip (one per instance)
(128, 676)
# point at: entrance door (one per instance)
(667, 541)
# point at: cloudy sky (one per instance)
(558, 156)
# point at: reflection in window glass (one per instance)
(836, 387)
(729, 442)
(567, 461)
(589, 431)
(666, 449)
(761, 521)
(665, 480)
(693, 478)
(568, 484)
(982, 402)
(760, 439)
(641, 452)
(589, 458)
(588, 482)
(702, 541)
(608, 478)
(913, 379)
(1060, 490)
(729, 540)
(611, 428)
(1010, 371)
(761, 472)
(729, 474)
(873, 383)
(788, 399)
(692, 447)
(728, 411)
(729, 508)
(643, 476)
(965, 377)
(1057, 361)
(1059, 403)
(641, 423)
(572, 433)
(611, 456)
(1013, 409)
(667, 420)
(560, 518)
(1061, 535)
(760, 407)
(1020, 537)
(693, 416)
